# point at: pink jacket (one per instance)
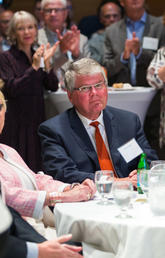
(23, 200)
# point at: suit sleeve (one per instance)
(56, 159)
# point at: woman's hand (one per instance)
(37, 57)
(88, 182)
(78, 194)
(48, 53)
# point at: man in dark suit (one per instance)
(68, 140)
(22, 241)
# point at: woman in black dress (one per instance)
(24, 83)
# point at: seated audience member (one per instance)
(22, 241)
(69, 148)
(110, 11)
(73, 45)
(30, 193)
(5, 18)
(24, 84)
(38, 13)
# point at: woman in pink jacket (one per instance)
(28, 192)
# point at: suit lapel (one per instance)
(148, 26)
(81, 136)
(111, 128)
(123, 35)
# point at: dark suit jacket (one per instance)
(19, 233)
(68, 154)
(115, 37)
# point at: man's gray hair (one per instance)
(85, 66)
(45, 2)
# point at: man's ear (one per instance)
(69, 93)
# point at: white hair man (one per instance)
(73, 45)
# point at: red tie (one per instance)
(102, 153)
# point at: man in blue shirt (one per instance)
(134, 35)
(130, 45)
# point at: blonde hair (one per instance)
(20, 16)
(85, 66)
(2, 98)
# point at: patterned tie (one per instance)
(102, 153)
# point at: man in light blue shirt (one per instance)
(24, 242)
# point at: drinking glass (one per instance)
(122, 193)
(157, 164)
(156, 194)
(143, 179)
(103, 181)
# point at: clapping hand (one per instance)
(70, 41)
(131, 46)
(48, 53)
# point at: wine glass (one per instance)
(143, 178)
(103, 181)
(122, 193)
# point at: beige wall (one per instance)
(87, 7)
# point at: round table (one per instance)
(104, 235)
(136, 100)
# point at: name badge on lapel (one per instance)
(130, 150)
(150, 43)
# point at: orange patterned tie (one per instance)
(102, 153)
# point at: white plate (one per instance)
(125, 89)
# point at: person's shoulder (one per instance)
(155, 19)
(42, 36)
(57, 120)
(8, 149)
(83, 37)
(115, 26)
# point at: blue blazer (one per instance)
(68, 154)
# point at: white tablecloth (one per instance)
(103, 235)
(136, 100)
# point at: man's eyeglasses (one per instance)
(56, 10)
(88, 88)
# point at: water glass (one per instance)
(104, 180)
(157, 164)
(122, 193)
(156, 194)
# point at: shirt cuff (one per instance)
(124, 61)
(140, 52)
(38, 210)
(62, 187)
(32, 250)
